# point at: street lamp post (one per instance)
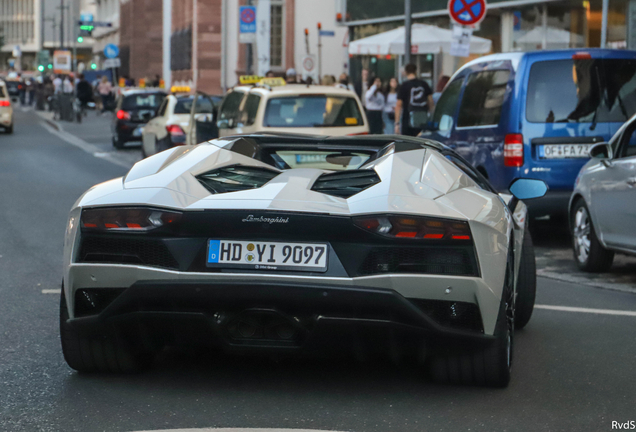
(407, 31)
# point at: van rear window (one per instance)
(581, 91)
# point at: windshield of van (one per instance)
(581, 91)
(312, 111)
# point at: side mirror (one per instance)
(601, 151)
(525, 189)
(445, 123)
(223, 124)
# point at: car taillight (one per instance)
(417, 228)
(5, 103)
(361, 133)
(513, 150)
(175, 130)
(581, 56)
(127, 219)
(123, 115)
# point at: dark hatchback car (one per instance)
(13, 88)
(133, 110)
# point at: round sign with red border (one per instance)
(467, 12)
(248, 16)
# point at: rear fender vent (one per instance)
(236, 178)
(345, 184)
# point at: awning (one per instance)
(425, 39)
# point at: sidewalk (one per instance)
(94, 136)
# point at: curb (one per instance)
(55, 125)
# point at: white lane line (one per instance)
(52, 291)
(565, 277)
(587, 310)
(238, 430)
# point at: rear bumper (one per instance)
(179, 306)
(125, 130)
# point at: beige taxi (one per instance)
(270, 105)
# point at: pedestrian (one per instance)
(415, 101)
(105, 89)
(157, 81)
(22, 89)
(328, 80)
(30, 89)
(57, 84)
(390, 94)
(441, 83)
(84, 92)
(362, 86)
(270, 74)
(290, 76)
(344, 83)
(375, 106)
(67, 85)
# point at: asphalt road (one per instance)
(573, 370)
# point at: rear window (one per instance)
(312, 111)
(2, 93)
(142, 101)
(581, 91)
(184, 105)
(483, 99)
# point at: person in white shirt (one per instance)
(375, 106)
(57, 84)
(391, 95)
(67, 86)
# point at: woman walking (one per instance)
(375, 105)
(105, 89)
(391, 96)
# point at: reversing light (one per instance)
(126, 219)
(414, 227)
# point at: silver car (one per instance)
(603, 204)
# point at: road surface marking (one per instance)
(239, 430)
(586, 310)
(52, 291)
(572, 278)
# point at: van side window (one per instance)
(230, 106)
(483, 98)
(447, 105)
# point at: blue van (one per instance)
(536, 115)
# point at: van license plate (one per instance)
(564, 151)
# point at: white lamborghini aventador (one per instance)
(298, 245)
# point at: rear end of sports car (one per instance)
(276, 281)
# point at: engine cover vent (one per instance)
(345, 184)
(236, 178)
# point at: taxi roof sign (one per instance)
(259, 80)
(180, 89)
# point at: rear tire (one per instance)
(9, 130)
(483, 366)
(117, 143)
(526, 283)
(589, 253)
(99, 352)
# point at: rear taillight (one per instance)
(361, 133)
(513, 150)
(417, 228)
(123, 115)
(177, 135)
(5, 103)
(127, 219)
(582, 56)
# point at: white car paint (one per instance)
(6, 112)
(155, 129)
(416, 182)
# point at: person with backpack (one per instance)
(414, 99)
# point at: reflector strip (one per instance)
(461, 237)
(110, 225)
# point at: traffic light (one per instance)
(80, 39)
(41, 68)
(93, 66)
(50, 66)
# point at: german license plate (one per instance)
(564, 151)
(267, 255)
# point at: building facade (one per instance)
(140, 39)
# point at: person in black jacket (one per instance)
(84, 91)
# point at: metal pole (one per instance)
(407, 32)
(61, 24)
(319, 57)
(604, 24)
(250, 56)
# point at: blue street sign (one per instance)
(328, 33)
(247, 19)
(86, 17)
(111, 51)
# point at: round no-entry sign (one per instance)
(467, 12)
(248, 16)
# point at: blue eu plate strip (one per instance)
(213, 251)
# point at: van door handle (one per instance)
(631, 181)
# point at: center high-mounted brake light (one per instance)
(123, 115)
(127, 219)
(409, 227)
(513, 150)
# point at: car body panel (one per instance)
(6, 112)
(414, 182)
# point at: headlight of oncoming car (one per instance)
(415, 228)
(127, 219)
